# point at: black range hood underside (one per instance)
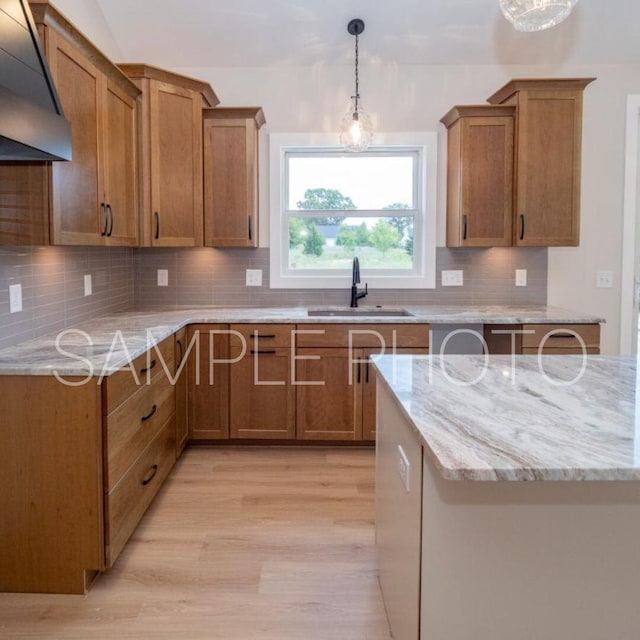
(32, 123)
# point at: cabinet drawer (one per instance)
(560, 336)
(372, 336)
(134, 423)
(592, 351)
(264, 335)
(123, 384)
(129, 499)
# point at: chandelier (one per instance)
(356, 130)
(536, 15)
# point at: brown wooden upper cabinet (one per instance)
(93, 199)
(171, 167)
(548, 143)
(480, 176)
(231, 176)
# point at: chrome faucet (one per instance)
(355, 281)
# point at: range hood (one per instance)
(32, 123)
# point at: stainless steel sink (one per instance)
(359, 312)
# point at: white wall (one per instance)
(413, 98)
(88, 17)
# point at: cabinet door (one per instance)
(79, 214)
(182, 405)
(486, 198)
(328, 394)
(209, 383)
(548, 168)
(176, 166)
(231, 183)
(120, 165)
(262, 398)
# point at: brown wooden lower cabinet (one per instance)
(181, 386)
(546, 339)
(208, 375)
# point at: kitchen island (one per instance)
(507, 497)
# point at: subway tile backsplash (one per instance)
(217, 277)
(52, 280)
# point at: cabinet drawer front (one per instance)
(129, 499)
(265, 336)
(561, 336)
(373, 336)
(134, 424)
(123, 384)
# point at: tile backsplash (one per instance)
(52, 280)
(217, 277)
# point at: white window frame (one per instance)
(422, 277)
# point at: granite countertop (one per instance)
(517, 424)
(104, 345)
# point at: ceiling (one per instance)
(228, 33)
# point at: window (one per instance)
(328, 206)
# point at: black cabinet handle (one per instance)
(562, 335)
(366, 374)
(181, 352)
(153, 364)
(154, 470)
(250, 230)
(359, 373)
(269, 352)
(157, 217)
(150, 414)
(105, 216)
(270, 336)
(110, 211)
(521, 227)
(464, 227)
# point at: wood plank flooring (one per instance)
(240, 544)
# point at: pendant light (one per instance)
(356, 130)
(536, 15)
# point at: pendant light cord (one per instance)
(357, 96)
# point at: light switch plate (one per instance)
(15, 298)
(604, 279)
(254, 277)
(163, 277)
(521, 277)
(88, 289)
(404, 468)
(453, 278)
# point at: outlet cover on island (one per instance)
(521, 277)
(88, 288)
(163, 277)
(15, 298)
(604, 279)
(453, 278)
(254, 277)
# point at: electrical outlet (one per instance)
(453, 278)
(604, 279)
(404, 468)
(163, 277)
(88, 289)
(15, 298)
(521, 277)
(254, 277)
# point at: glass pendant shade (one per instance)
(356, 129)
(536, 15)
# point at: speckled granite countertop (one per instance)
(519, 422)
(106, 344)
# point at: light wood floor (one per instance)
(241, 544)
